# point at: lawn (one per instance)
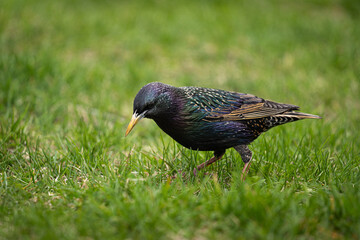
(69, 71)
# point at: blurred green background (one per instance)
(69, 71)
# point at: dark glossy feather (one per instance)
(212, 119)
(219, 105)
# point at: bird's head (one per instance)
(153, 100)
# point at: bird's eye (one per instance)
(149, 106)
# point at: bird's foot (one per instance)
(176, 175)
(217, 156)
(195, 171)
(245, 171)
(246, 156)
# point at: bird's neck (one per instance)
(173, 120)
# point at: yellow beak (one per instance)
(135, 118)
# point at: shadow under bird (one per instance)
(210, 119)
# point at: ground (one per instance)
(69, 71)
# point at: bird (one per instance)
(207, 119)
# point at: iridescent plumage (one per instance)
(211, 119)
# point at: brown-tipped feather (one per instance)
(250, 111)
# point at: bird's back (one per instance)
(214, 105)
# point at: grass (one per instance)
(69, 71)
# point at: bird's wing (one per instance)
(219, 105)
(250, 110)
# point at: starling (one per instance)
(207, 119)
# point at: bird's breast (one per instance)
(204, 135)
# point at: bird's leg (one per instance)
(217, 156)
(246, 156)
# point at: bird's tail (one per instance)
(286, 117)
(298, 115)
